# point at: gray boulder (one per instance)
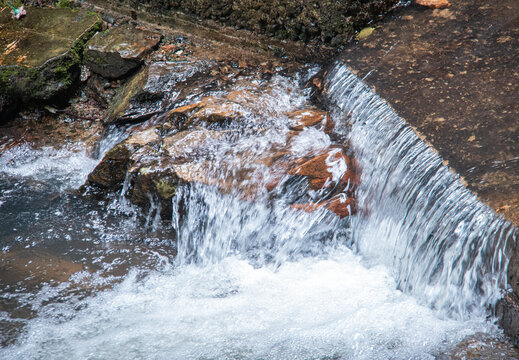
(116, 51)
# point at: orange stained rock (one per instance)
(317, 83)
(340, 205)
(241, 96)
(300, 119)
(318, 171)
(434, 4)
(210, 109)
(322, 182)
(215, 111)
(184, 109)
(168, 48)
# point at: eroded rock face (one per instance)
(507, 310)
(116, 51)
(40, 56)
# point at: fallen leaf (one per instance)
(364, 33)
(10, 47)
(434, 4)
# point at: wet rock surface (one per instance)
(483, 347)
(194, 143)
(40, 54)
(116, 51)
(507, 310)
(151, 90)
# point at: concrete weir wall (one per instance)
(453, 75)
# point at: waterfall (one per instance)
(444, 246)
(244, 274)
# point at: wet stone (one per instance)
(150, 90)
(116, 51)
(434, 4)
(299, 119)
(187, 147)
(40, 54)
(507, 310)
(483, 346)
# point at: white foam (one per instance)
(316, 307)
(70, 164)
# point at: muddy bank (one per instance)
(324, 21)
(452, 75)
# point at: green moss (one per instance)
(6, 74)
(15, 3)
(57, 75)
(63, 4)
(79, 45)
(165, 189)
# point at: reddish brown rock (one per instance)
(300, 119)
(319, 169)
(341, 205)
(208, 110)
(155, 159)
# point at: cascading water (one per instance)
(443, 245)
(257, 279)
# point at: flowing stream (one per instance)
(408, 277)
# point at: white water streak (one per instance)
(443, 244)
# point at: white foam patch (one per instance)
(309, 141)
(69, 165)
(310, 309)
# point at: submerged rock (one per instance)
(40, 55)
(35, 267)
(116, 51)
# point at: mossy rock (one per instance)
(40, 55)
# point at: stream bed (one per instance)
(227, 277)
